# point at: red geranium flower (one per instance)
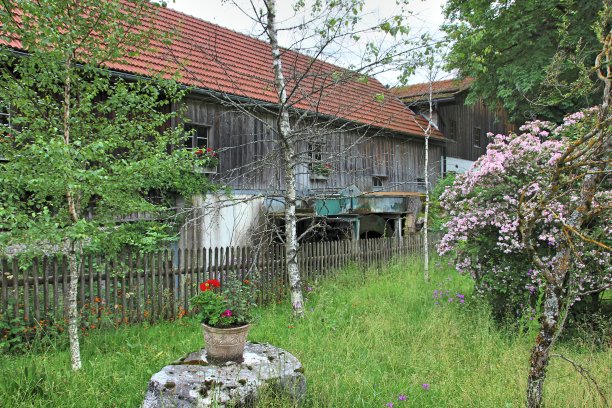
(209, 284)
(198, 152)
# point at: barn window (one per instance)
(315, 155)
(477, 136)
(378, 181)
(199, 138)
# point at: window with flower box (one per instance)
(199, 143)
(319, 170)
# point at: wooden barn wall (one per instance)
(357, 158)
(248, 159)
(467, 118)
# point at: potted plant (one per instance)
(225, 314)
(206, 160)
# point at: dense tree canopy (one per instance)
(530, 56)
(81, 146)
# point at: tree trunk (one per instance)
(426, 178)
(426, 221)
(73, 313)
(291, 244)
(287, 145)
(549, 327)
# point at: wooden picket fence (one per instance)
(135, 287)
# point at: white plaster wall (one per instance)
(221, 221)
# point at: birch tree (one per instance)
(325, 31)
(426, 174)
(430, 62)
(84, 146)
(288, 149)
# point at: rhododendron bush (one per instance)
(514, 204)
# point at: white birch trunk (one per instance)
(287, 144)
(426, 178)
(73, 314)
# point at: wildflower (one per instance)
(425, 386)
(246, 281)
(389, 405)
(402, 397)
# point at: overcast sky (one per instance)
(426, 17)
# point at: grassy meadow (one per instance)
(367, 339)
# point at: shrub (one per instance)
(486, 205)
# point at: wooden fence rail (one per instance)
(136, 287)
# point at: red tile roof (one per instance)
(211, 57)
(439, 88)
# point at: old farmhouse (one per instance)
(361, 150)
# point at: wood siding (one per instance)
(249, 159)
(468, 118)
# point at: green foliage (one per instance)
(531, 57)
(80, 134)
(19, 336)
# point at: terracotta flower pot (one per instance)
(225, 344)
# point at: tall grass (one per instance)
(366, 339)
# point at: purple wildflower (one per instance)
(425, 386)
(402, 397)
(389, 405)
